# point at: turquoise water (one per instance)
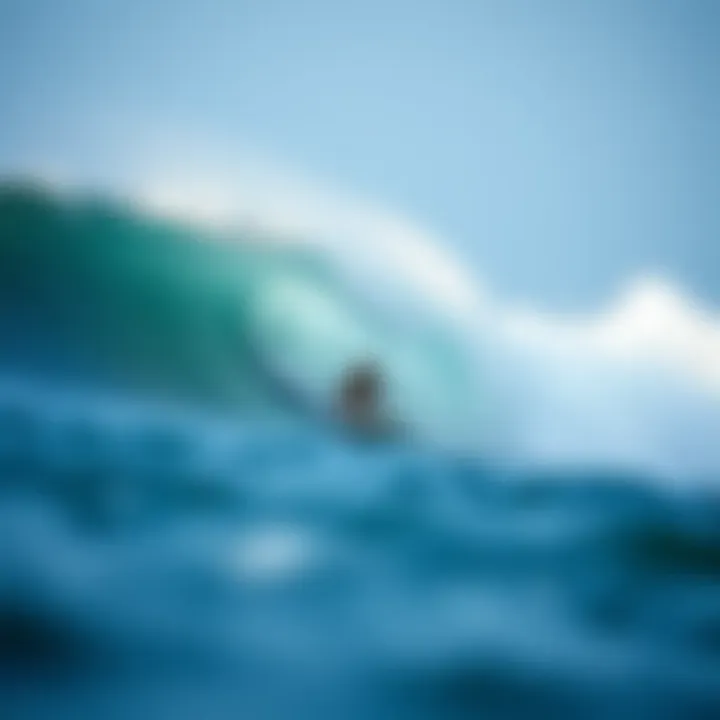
(180, 537)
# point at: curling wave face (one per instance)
(99, 291)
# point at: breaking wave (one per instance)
(247, 314)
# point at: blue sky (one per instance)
(560, 147)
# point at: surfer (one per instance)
(361, 402)
(358, 403)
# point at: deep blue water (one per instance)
(161, 564)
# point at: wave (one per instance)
(184, 292)
(102, 290)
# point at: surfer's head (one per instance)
(363, 383)
(361, 393)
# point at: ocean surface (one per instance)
(180, 538)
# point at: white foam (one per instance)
(652, 323)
